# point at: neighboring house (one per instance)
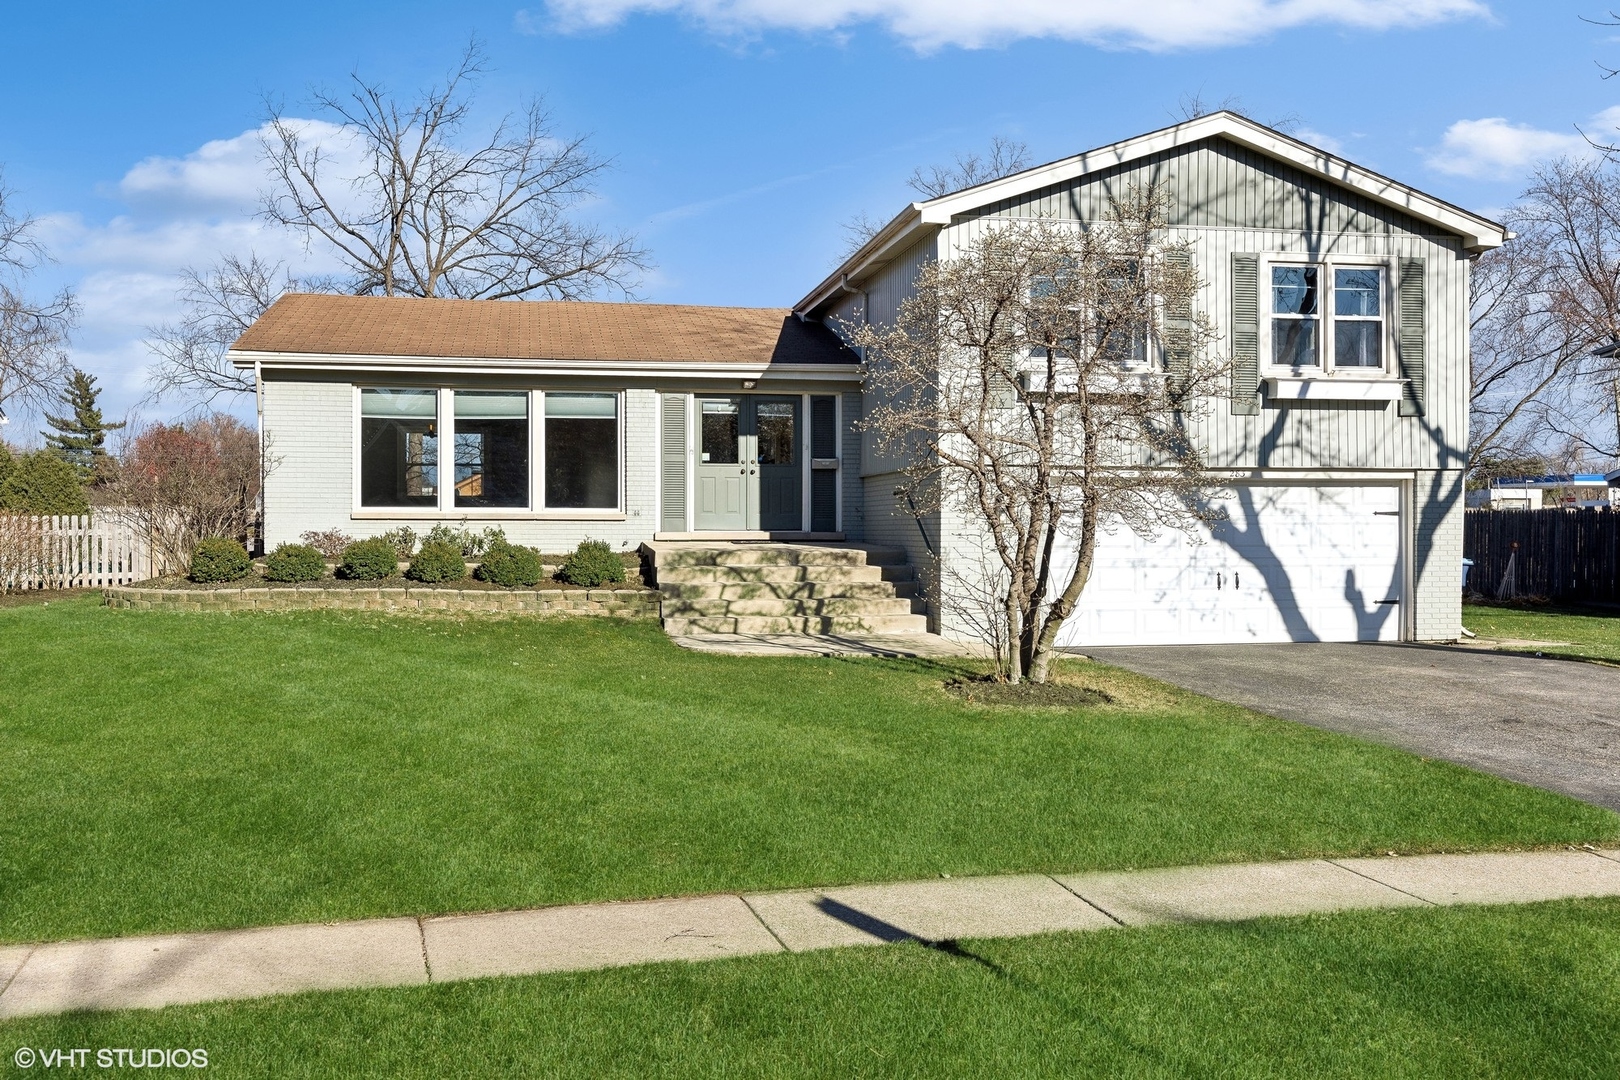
(1342, 296)
(1568, 490)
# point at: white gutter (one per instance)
(470, 365)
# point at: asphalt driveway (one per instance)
(1551, 723)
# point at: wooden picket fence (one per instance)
(73, 552)
(1562, 554)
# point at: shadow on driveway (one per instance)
(1551, 723)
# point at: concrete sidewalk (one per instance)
(151, 972)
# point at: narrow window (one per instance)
(718, 430)
(399, 448)
(1294, 316)
(1358, 321)
(582, 451)
(492, 448)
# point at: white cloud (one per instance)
(1494, 148)
(931, 24)
(1319, 139)
(177, 212)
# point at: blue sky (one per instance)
(744, 131)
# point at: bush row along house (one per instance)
(1341, 295)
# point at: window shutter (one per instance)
(1411, 350)
(1178, 324)
(673, 480)
(1245, 335)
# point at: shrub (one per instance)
(403, 539)
(437, 562)
(295, 562)
(592, 563)
(470, 544)
(42, 483)
(219, 558)
(329, 543)
(369, 560)
(511, 566)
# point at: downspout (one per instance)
(258, 409)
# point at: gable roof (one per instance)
(324, 325)
(1477, 233)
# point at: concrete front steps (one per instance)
(776, 588)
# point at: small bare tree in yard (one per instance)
(182, 483)
(424, 214)
(220, 302)
(1041, 384)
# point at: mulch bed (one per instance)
(1048, 695)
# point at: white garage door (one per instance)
(1290, 563)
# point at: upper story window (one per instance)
(1328, 317)
(1294, 316)
(1358, 321)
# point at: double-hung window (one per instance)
(1295, 316)
(1327, 317)
(503, 450)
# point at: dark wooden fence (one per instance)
(1563, 554)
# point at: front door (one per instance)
(781, 476)
(722, 466)
(749, 476)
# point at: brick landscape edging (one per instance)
(626, 603)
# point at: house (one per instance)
(1342, 295)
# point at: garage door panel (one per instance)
(1289, 563)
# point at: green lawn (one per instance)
(166, 771)
(1591, 633)
(1471, 993)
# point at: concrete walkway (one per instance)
(892, 646)
(1551, 723)
(151, 972)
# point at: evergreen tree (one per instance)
(81, 439)
(42, 483)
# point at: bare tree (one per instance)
(33, 332)
(424, 216)
(221, 302)
(1040, 386)
(183, 483)
(1542, 303)
(1192, 106)
(1005, 157)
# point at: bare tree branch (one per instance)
(1005, 157)
(425, 216)
(221, 302)
(1040, 385)
(33, 333)
(1541, 304)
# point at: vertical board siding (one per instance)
(73, 552)
(674, 463)
(1216, 183)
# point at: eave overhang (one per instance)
(628, 370)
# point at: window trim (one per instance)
(1326, 368)
(447, 510)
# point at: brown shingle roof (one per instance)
(540, 330)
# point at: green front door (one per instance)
(723, 465)
(749, 476)
(781, 475)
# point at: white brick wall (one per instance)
(310, 430)
(1437, 558)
